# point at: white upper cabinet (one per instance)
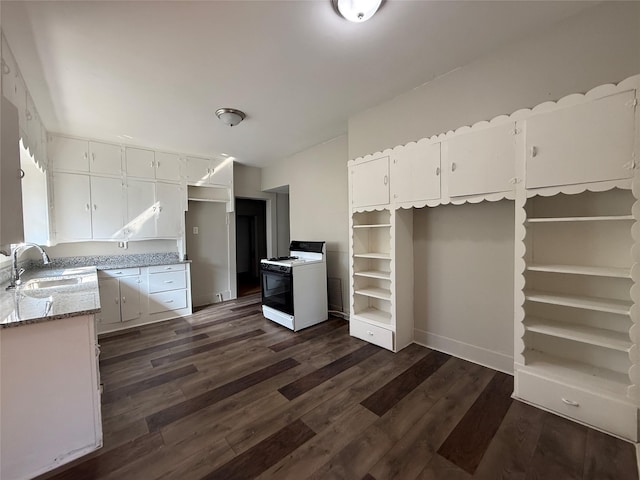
(481, 161)
(72, 203)
(107, 204)
(167, 166)
(152, 165)
(415, 172)
(69, 154)
(588, 142)
(140, 162)
(105, 158)
(11, 226)
(141, 209)
(170, 201)
(204, 171)
(370, 183)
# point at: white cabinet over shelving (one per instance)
(415, 172)
(370, 182)
(205, 171)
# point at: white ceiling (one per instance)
(157, 71)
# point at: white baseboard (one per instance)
(481, 356)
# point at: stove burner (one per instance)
(277, 259)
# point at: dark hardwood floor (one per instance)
(225, 394)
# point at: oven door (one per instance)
(277, 290)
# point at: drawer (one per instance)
(371, 333)
(605, 413)
(176, 267)
(164, 301)
(119, 272)
(162, 282)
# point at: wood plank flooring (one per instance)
(226, 394)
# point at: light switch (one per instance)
(195, 230)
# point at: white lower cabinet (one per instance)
(141, 295)
(49, 376)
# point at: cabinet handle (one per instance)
(168, 281)
(437, 171)
(169, 301)
(85, 155)
(87, 207)
(21, 172)
(93, 156)
(157, 164)
(534, 151)
(124, 299)
(453, 166)
(95, 207)
(386, 179)
(117, 300)
(151, 164)
(571, 403)
(370, 333)
(118, 273)
(168, 268)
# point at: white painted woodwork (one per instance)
(141, 209)
(107, 208)
(130, 304)
(140, 162)
(164, 281)
(109, 301)
(167, 167)
(198, 171)
(481, 161)
(175, 267)
(221, 172)
(170, 213)
(11, 229)
(105, 158)
(416, 172)
(370, 183)
(167, 301)
(69, 153)
(50, 396)
(588, 142)
(72, 204)
(368, 332)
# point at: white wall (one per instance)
(318, 201)
(209, 252)
(108, 248)
(284, 235)
(601, 45)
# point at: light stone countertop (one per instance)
(50, 294)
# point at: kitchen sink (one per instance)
(50, 283)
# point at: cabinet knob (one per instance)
(534, 151)
(370, 333)
(95, 207)
(453, 166)
(124, 299)
(571, 403)
(93, 156)
(437, 171)
(87, 207)
(386, 179)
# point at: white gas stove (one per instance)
(294, 288)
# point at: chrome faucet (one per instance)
(15, 271)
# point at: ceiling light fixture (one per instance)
(230, 116)
(356, 10)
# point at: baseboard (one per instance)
(466, 351)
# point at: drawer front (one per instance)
(371, 333)
(162, 282)
(165, 301)
(167, 268)
(604, 413)
(120, 272)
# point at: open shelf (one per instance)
(593, 336)
(374, 274)
(578, 374)
(374, 292)
(603, 218)
(588, 303)
(378, 256)
(376, 317)
(377, 225)
(582, 270)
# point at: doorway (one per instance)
(251, 243)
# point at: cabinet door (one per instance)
(109, 301)
(198, 170)
(584, 143)
(105, 158)
(167, 166)
(69, 154)
(370, 183)
(415, 172)
(140, 162)
(170, 202)
(222, 172)
(11, 229)
(482, 161)
(130, 298)
(141, 209)
(107, 203)
(72, 206)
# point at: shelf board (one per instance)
(374, 292)
(602, 218)
(374, 274)
(377, 225)
(578, 374)
(587, 303)
(579, 333)
(376, 317)
(582, 270)
(379, 256)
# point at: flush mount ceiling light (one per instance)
(230, 116)
(356, 10)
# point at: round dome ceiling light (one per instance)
(230, 116)
(356, 10)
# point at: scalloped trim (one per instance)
(625, 184)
